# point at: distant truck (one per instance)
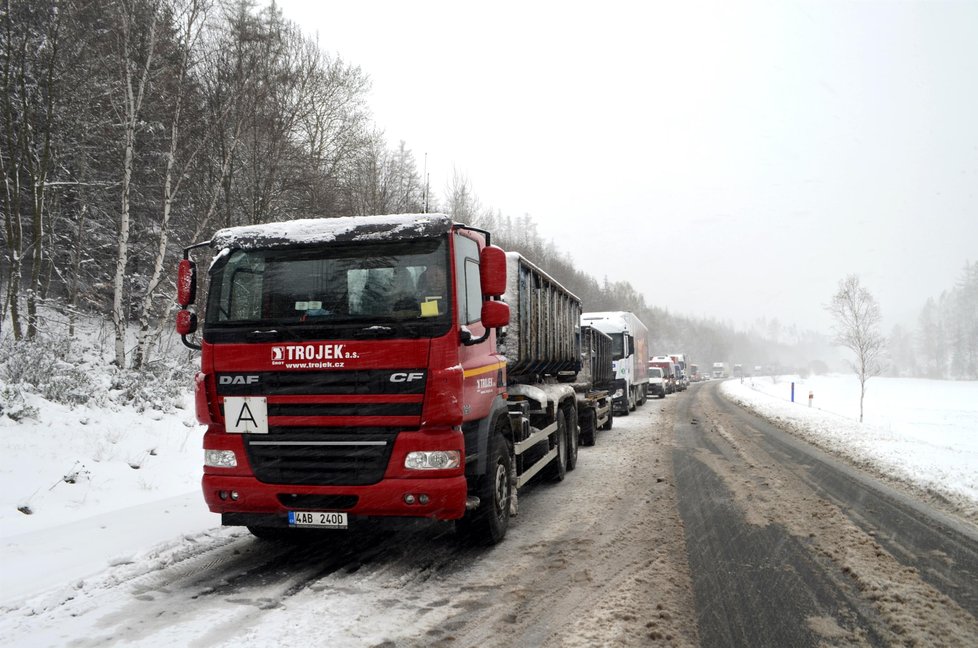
(594, 384)
(720, 370)
(668, 368)
(680, 359)
(340, 380)
(630, 354)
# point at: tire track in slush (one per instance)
(776, 561)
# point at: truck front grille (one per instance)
(328, 427)
(320, 456)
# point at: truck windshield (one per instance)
(617, 345)
(352, 286)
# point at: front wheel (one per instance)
(487, 524)
(611, 419)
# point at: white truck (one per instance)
(630, 353)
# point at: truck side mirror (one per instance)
(186, 282)
(495, 314)
(186, 322)
(492, 260)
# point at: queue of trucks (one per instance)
(393, 366)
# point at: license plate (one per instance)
(317, 519)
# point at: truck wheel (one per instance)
(487, 524)
(557, 468)
(642, 396)
(610, 421)
(573, 438)
(588, 422)
(632, 398)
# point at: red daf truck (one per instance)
(380, 366)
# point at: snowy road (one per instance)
(691, 522)
(598, 559)
(787, 546)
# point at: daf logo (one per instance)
(406, 377)
(239, 380)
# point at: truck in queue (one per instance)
(630, 354)
(720, 370)
(668, 367)
(385, 366)
(683, 377)
(594, 384)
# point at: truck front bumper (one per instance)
(619, 401)
(445, 498)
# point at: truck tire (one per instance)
(557, 468)
(610, 421)
(487, 524)
(589, 421)
(573, 436)
(632, 399)
(642, 396)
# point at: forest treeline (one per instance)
(132, 128)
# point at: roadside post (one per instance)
(792, 392)
(811, 395)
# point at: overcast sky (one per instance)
(730, 160)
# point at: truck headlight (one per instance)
(433, 460)
(220, 458)
(618, 393)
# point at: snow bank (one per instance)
(919, 432)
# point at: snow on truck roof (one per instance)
(315, 231)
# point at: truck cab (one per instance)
(349, 368)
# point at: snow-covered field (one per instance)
(117, 487)
(923, 433)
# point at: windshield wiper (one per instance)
(270, 335)
(375, 331)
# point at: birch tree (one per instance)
(191, 17)
(857, 317)
(136, 53)
(30, 60)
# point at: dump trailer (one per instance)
(630, 355)
(594, 383)
(353, 368)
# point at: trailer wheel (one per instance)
(573, 436)
(611, 419)
(557, 468)
(589, 421)
(487, 524)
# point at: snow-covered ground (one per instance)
(113, 486)
(923, 433)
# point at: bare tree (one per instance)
(136, 52)
(857, 316)
(191, 15)
(29, 58)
